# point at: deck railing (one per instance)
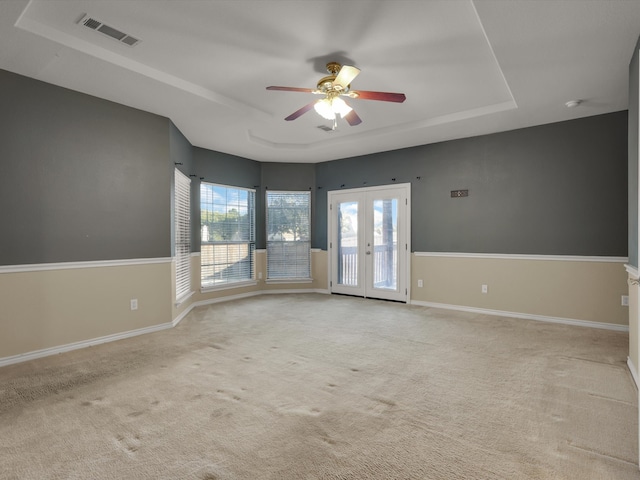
(384, 266)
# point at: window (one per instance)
(182, 227)
(288, 235)
(227, 226)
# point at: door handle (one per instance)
(368, 252)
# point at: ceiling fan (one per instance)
(333, 86)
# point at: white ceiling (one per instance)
(467, 67)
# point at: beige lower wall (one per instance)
(578, 290)
(633, 322)
(51, 308)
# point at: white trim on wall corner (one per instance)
(509, 256)
(632, 369)
(632, 271)
(525, 316)
(24, 357)
(184, 298)
(183, 314)
(39, 267)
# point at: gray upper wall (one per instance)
(556, 189)
(80, 178)
(86, 179)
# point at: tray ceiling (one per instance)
(467, 67)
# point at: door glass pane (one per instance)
(348, 244)
(385, 243)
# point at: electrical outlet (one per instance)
(420, 283)
(134, 304)
(259, 275)
(485, 289)
(625, 300)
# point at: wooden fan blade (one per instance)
(300, 112)
(382, 96)
(346, 75)
(291, 89)
(352, 118)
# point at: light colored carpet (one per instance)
(327, 387)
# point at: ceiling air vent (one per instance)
(109, 31)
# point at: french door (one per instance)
(369, 235)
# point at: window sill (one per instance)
(228, 286)
(289, 280)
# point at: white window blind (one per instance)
(227, 227)
(182, 219)
(288, 235)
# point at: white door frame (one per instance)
(404, 251)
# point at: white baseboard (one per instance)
(633, 371)
(526, 316)
(181, 315)
(46, 352)
(293, 290)
(250, 294)
(226, 298)
(24, 357)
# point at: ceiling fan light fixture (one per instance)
(332, 87)
(341, 107)
(325, 109)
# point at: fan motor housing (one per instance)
(326, 83)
